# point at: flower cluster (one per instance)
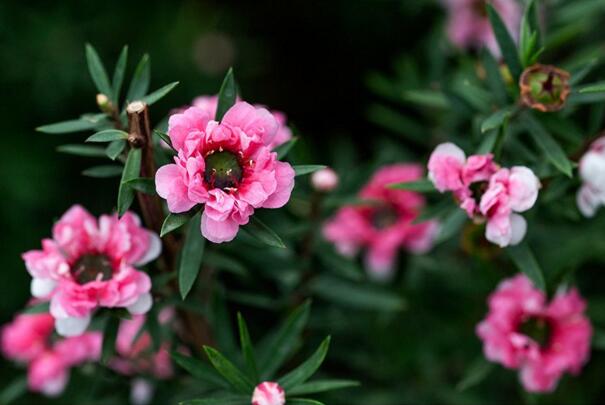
(543, 340)
(485, 191)
(227, 166)
(592, 172)
(27, 339)
(90, 264)
(384, 222)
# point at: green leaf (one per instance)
(165, 137)
(299, 170)
(283, 149)
(314, 387)
(229, 372)
(524, 259)
(173, 222)
(303, 372)
(505, 41)
(261, 232)
(114, 149)
(14, 390)
(82, 150)
(110, 334)
(451, 225)
(118, 74)
(496, 119)
(103, 171)
(142, 184)
(494, 76)
(275, 349)
(97, 72)
(422, 186)
(553, 151)
(427, 98)
(159, 93)
(593, 88)
(191, 256)
(303, 401)
(476, 373)
(108, 135)
(65, 127)
(198, 369)
(226, 399)
(227, 95)
(131, 171)
(140, 80)
(247, 349)
(40, 308)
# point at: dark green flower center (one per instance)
(538, 329)
(384, 217)
(478, 189)
(88, 268)
(223, 170)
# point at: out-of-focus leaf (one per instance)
(191, 256)
(65, 127)
(339, 264)
(247, 349)
(300, 170)
(103, 171)
(165, 137)
(108, 135)
(593, 88)
(283, 149)
(225, 262)
(476, 373)
(110, 334)
(496, 119)
(229, 372)
(114, 149)
(451, 225)
(579, 74)
(173, 222)
(227, 95)
(313, 387)
(488, 143)
(82, 150)
(303, 401)
(422, 186)
(159, 93)
(303, 372)
(426, 98)
(14, 390)
(494, 77)
(505, 41)
(400, 124)
(261, 232)
(140, 81)
(37, 308)
(118, 74)
(131, 171)
(97, 72)
(524, 259)
(142, 184)
(225, 399)
(198, 369)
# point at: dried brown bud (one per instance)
(544, 87)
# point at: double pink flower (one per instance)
(90, 264)
(543, 340)
(485, 191)
(228, 167)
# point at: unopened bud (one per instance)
(104, 103)
(268, 393)
(324, 180)
(544, 87)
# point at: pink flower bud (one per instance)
(268, 393)
(324, 180)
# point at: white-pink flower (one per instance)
(592, 172)
(228, 167)
(324, 180)
(268, 393)
(542, 340)
(90, 264)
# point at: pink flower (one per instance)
(324, 180)
(28, 339)
(268, 393)
(90, 264)
(385, 224)
(468, 24)
(542, 340)
(592, 172)
(486, 192)
(228, 167)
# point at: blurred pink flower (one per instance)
(468, 24)
(384, 224)
(226, 166)
(592, 172)
(90, 264)
(485, 191)
(542, 340)
(324, 180)
(268, 393)
(28, 339)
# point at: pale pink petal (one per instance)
(218, 231)
(522, 188)
(284, 174)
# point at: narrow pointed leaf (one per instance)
(594, 88)
(131, 171)
(198, 369)
(227, 399)
(173, 222)
(159, 93)
(118, 74)
(37, 308)
(110, 334)
(303, 401)
(314, 387)
(165, 137)
(191, 256)
(140, 80)
(247, 349)
(103, 171)
(114, 149)
(524, 259)
(494, 76)
(505, 41)
(261, 232)
(303, 372)
(108, 135)
(13, 390)
(476, 373)
(227, 95)
(451, 224)
(422, 186)
(300, 170)
(82, 150)
(97, 72)
(65, 127)
(142, 184)
(229, 372)
(283, 149)
(495, 120)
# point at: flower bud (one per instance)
(324, 180)
(544, 87)
(268, 393)
(104, 104)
